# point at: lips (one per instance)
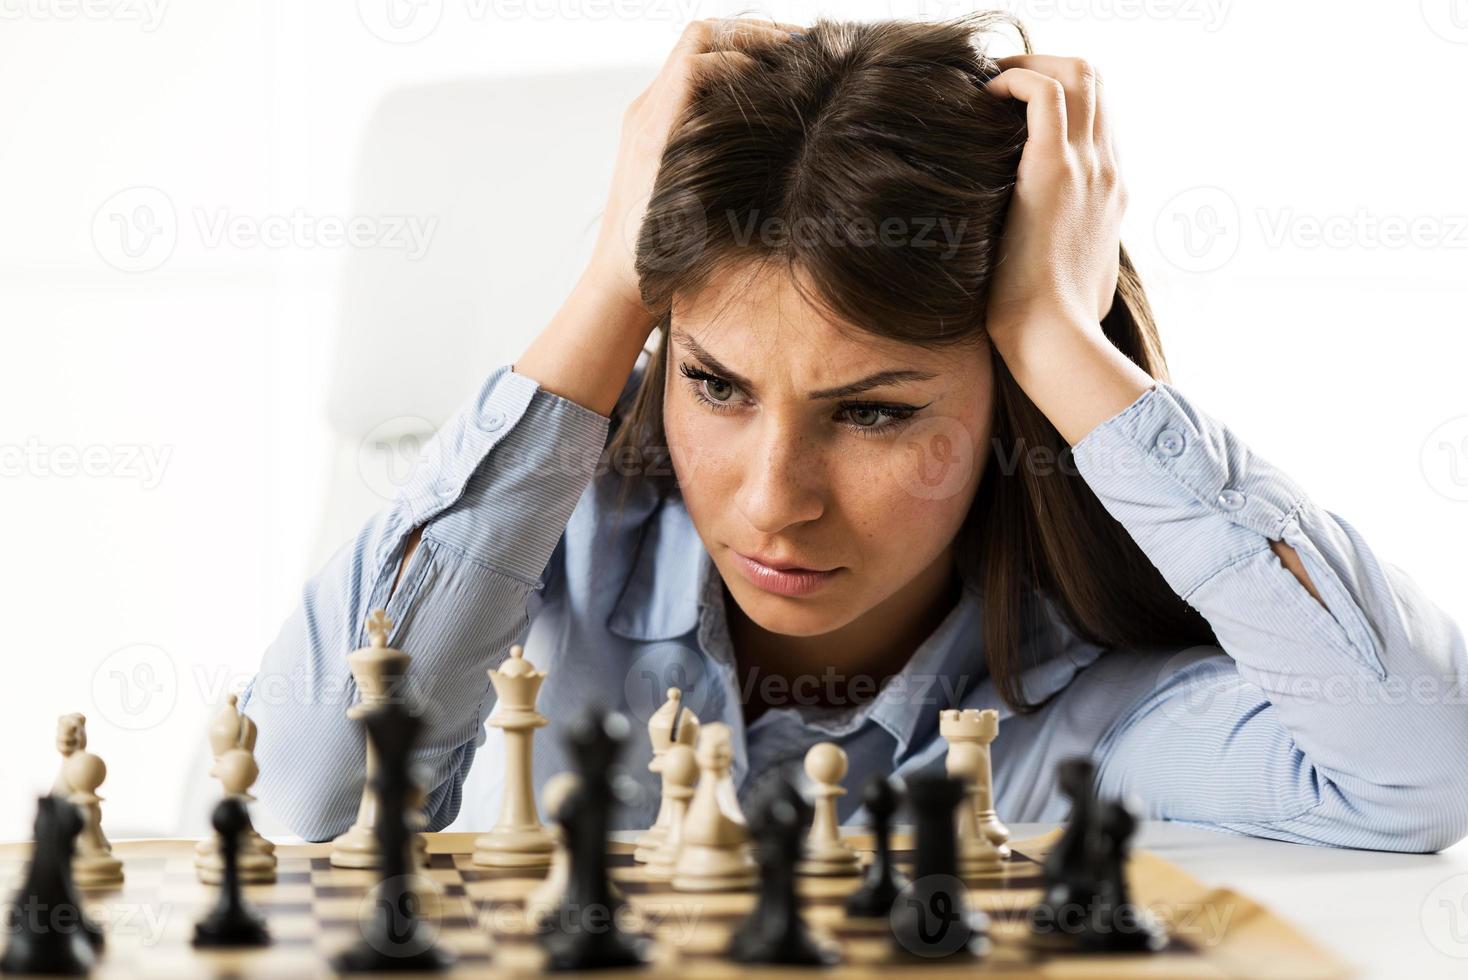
(783, 578)
(783, 566)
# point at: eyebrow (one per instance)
(878, 380)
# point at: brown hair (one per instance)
(893, 119)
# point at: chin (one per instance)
(786, 616)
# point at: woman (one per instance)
(906, 442)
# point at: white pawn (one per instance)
(680, 775)
(547, 894)
(826, 853)
(236, 771)
(715, 854)
(670, 725)
(518, 839)
(93, 865)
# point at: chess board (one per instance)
(314, 910)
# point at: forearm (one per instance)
(588, 349)
(1072, 373)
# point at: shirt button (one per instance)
(1230, 499)
(1170, 442)
(445, 488)
(491, 420)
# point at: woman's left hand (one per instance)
(1062, 237)
(1060, 255)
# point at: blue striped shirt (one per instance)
(1340, 724)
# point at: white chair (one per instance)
(510, 174)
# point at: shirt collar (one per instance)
(667, 580)
(942, 672)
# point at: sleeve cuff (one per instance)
(1192, 495)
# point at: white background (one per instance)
(206, 386)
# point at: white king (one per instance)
(376, 668)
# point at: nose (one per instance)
(784, 482)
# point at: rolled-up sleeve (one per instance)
(1343, 721)
(494, 492)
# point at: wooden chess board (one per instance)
(314, 910)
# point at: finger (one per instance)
(712, 60)
(731, 32)
(697, 67)
(1044, 100)
(1078, 79)
(1101, 132)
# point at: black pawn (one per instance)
(50, 933)
(584, 933)
(882, 882)
(931, 917)
(775, 932)
(1070, 871)
(232, 922)
(1115, 924)
(395, 940)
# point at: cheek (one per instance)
(893, 508)
(918, 488)
(703, 460)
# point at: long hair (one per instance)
(871, 121)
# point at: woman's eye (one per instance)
(718, 389)
(864, 419)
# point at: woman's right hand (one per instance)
(646, 124)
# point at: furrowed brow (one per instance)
(878, 380)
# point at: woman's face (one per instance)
(868, 484)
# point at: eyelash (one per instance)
(896, 414)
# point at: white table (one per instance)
(1388, 915)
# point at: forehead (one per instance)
(759, 315)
